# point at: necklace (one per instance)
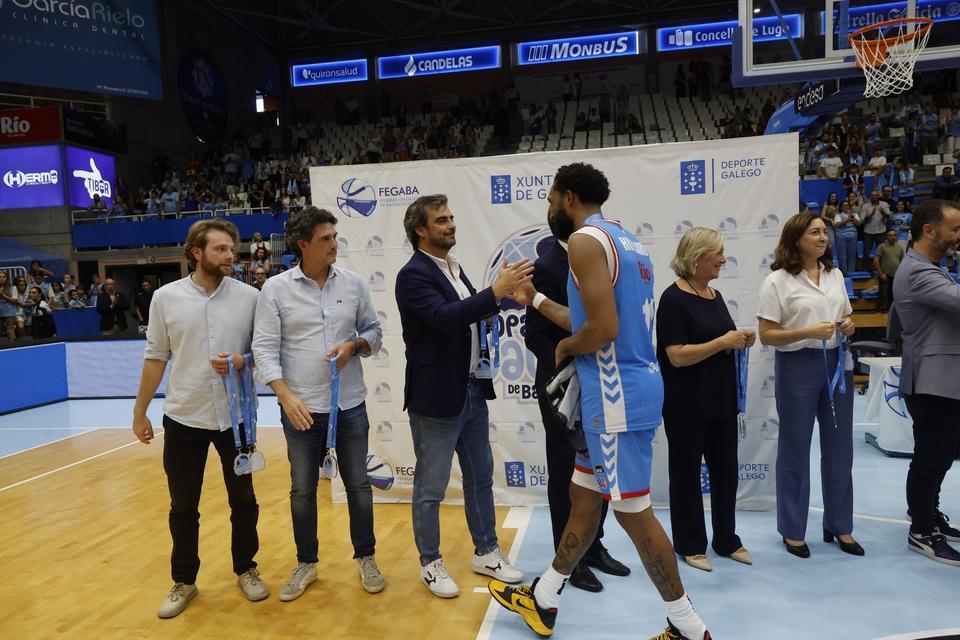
(697, 291)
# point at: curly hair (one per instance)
(301, 225)
(585, 180)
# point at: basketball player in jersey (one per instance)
(611, 313)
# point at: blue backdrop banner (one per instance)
(34, 375)
(105, 46)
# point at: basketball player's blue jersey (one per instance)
(621, 387)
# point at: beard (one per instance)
(561, 224)
(944, 246)
(212, 269)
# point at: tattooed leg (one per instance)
(655, 551)
(581, 529)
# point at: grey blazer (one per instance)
(928, 303)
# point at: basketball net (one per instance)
(888, 51)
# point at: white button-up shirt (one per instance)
(297, 323)
(188, 328)
(451, 268)
(796, 301)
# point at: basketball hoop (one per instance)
(887, 52)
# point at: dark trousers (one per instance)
(936, 441)
(184, 458)
(305, 451)
(802, 396)
(886, 293)
(560, 458)
(715, 441)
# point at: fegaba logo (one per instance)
(93, 181)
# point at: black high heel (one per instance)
(801, 551)
(853, 548)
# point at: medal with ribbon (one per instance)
(485, 369)
(742, 357)
(330, 459)
(242, 401)
(838, 380)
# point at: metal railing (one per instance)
(86, 216)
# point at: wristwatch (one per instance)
(357, 348)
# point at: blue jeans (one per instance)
(305, 451)
(846, 252)
(434, 441)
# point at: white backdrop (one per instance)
(745, 187)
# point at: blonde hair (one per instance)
(197, 236)
(694, 245)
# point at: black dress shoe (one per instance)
(801, 551)
(853, 548)
(583, 578)
(603, 561)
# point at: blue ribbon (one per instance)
(494, 342)
(837, 380)
(334, 405)
(742, 360)
(241, 393)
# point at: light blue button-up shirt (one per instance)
(297, 323)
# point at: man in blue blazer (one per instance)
(446, 400)
(928, 304)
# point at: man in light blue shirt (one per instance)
(307, 317)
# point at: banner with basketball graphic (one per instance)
(744, 187)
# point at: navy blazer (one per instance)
(436, 334)
(541, 336)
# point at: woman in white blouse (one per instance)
(804, 312)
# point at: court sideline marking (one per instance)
(73, 464)
(517, 518)
(43, 444)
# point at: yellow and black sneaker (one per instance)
(672, 633)
(520, 600)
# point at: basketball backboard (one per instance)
(787, 40)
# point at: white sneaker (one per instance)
(370, 576)
(252, 585)
(496, 565)
(435, 577)
(178, 599)
(302, 576)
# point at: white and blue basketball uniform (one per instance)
(621, 397)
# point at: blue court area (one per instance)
(830, 596)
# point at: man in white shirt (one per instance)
(831, 166)
(307, 317)
(197, 323)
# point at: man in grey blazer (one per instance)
(928, 303)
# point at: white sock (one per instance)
(680, 613)
(547, 591)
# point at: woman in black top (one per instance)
(696, 339)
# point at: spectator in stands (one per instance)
(259, 243)
(886, 262)
(581, 122)
(141, 303)
(259, 278)
(74, 299)
(906, 181)
(259, 259)
(82, 296)
(117, 210)
(930, 129)
(886, 195)
(268, 199)
(877, 163)
(853, 151)
(57, 297)
(25, 307)
(577, 86)
(42, 324)
(593, 120)
(151, 204)
(170, 201)
(68, 282)
(9, 306)
(828, 212)
(946, 186)
(188, 203)
(912, 144)
(830, 167)
(901, 223)
(97, 205)
(37, 267)
(853, 182)
(568, 88)
(845, 227)
(875, 216)
(112, 306)
(38, 281)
